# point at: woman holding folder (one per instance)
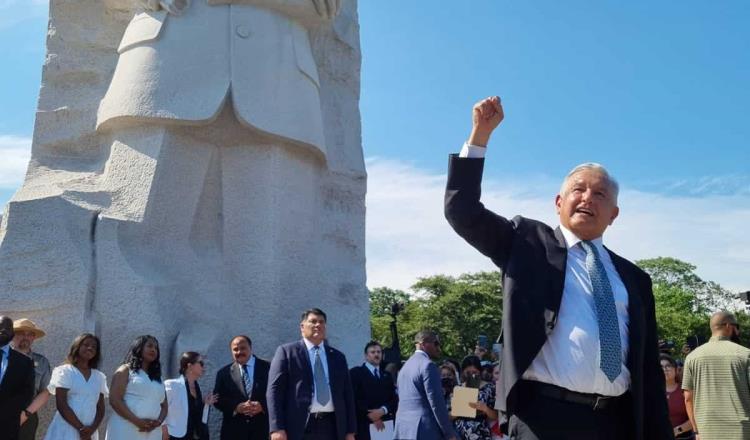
(477, 428)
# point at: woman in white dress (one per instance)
(79, 390)
(137, 395)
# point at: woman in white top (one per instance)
(79, 390)
(137, 395)
(188, 409)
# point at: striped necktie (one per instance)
(610, 354)
(246, 379)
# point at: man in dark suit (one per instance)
(241, 387)
(16, 382)
(309, 390)
(422, 412)
(375, 398)
(579, 330)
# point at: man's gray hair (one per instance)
(593, 167)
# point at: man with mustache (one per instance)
(579, 329)
(716, 380)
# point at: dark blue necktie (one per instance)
(610, 354)
(248, 382)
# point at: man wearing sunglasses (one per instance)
(422, 412)
(716, 380)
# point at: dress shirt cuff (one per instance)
(385, 409)
(472, 151)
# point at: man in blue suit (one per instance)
(309, 391)
(422, 413)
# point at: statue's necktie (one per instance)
(610, 354)
(319, 374)
(248, 382)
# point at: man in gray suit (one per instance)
(422, 413)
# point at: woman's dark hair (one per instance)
(187, 358)
(75, 347)
(471, 361)
(134, 358)
(668, 358)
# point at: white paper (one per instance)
(204, 417)
(386, 434)
(462, 396)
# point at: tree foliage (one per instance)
(459, 308)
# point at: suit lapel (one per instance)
(304, 359)
(635, 309)
(557, 256)
(237, 378)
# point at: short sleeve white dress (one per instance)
(143, 397)
(82, 398)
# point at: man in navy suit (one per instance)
(241, 387)
(580, 355)
(374, 392)
(16, 382)
(309, 391)
(422, 413)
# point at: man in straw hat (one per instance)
(26, 332)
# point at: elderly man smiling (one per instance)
(580, 352)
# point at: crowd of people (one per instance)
(258, 399)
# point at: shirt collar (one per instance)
(6, 348)
(310, 345)
(423, 352)
(371, 367)
(250, 362)
(571, 239)
(720, 338)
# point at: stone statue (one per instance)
(196, 173)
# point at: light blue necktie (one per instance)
(319, 374)
(246, 379)
(610, 354)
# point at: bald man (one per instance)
(716, 380)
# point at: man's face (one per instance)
(314, 328)
(241, 350)
(23, 340)
(374, 355)
(432, 348)
(6, 330)
(587, 204)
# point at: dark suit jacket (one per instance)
(291, 387)
(372, 393)
(231, 390)
(16, 392)
(532, 257)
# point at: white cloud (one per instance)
(15, 152)
(408, 237)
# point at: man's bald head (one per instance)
(723, 323)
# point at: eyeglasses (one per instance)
(200, 362)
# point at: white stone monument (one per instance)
(196, 173)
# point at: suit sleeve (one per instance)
(656, 421)
(434, 391)
(29, 389)
(278, 382)
(226, 404)
(351, 415)
(360, 404)
(489, 233)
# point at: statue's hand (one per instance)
(327, 8)
(150, 5)
(174, 7)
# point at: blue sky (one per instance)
(656, 91)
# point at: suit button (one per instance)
(242, 31)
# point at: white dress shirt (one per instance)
(4, 365)
(570, 356)
(316, 407)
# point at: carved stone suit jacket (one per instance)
(181, 69)
(532, 257)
